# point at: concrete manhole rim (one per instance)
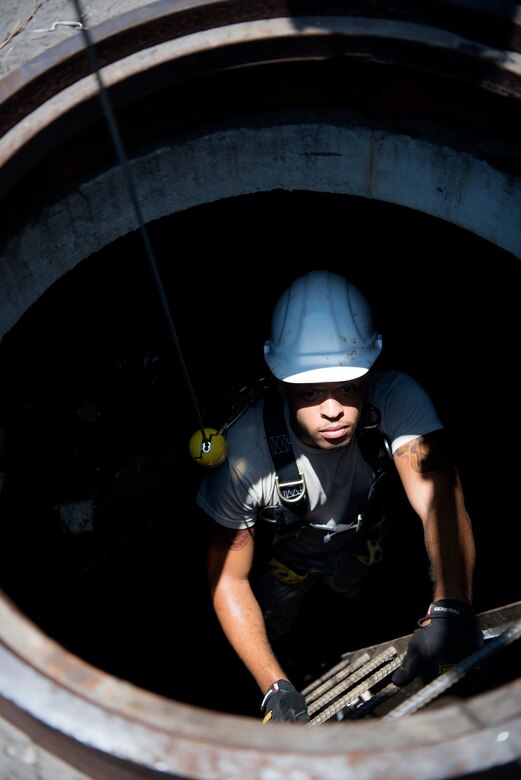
(105, 713)
(131, 724)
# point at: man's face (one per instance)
(325, 415)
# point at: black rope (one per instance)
(123, 161)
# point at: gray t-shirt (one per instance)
(337, 482)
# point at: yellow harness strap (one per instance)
(286, 575)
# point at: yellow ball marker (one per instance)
(210, 450)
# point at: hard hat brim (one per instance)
(329, 374)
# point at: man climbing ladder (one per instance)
(322, 354)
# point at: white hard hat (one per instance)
(321, 331)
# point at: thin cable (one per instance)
(123, 161)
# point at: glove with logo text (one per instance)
(452, 635)
(283, 702)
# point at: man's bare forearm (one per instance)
(450, 546)
(236, 608)
(433, 487)
(241, 619)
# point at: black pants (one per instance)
(281, 591)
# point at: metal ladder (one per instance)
(360, 686)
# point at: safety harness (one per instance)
(291, 487)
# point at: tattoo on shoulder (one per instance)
(228, 538)
(428, 454)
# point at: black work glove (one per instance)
(452, 635)
(283, 702)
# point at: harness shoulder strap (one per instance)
(291, 487)
(376, 451)
(372, 441)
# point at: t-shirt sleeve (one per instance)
(227, 497)
(406, 408)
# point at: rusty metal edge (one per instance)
(70, 703)
(65, 63)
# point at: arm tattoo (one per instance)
(229, 539)
(427, 454)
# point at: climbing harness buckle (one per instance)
(291, 491)
(374, 554)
